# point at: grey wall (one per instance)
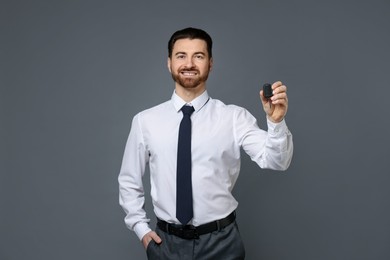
(74, 73)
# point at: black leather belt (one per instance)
(192, 232)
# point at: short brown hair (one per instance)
(190, 33)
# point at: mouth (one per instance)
(189, 73)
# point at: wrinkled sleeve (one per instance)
(272, 149)
(131, 190)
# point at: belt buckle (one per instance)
(189, 232)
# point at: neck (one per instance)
(189, 94)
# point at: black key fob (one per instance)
(267, 90)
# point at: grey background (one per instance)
(74, 73)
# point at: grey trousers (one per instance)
(225, 244)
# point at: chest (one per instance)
(212, 135)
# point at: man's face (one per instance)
(190, 63)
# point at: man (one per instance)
(197, 221)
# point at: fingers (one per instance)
(278, 87)
(279, 93)
(280, 98)
(149, 237)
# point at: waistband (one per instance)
(192, 232)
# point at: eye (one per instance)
(199, 56)
(180, 56)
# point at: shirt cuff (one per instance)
(141, 229)
(277, 129)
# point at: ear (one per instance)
(169, 64)
(211, 64)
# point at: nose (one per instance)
(189, 63)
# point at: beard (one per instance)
(191, 82)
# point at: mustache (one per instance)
(189, 69)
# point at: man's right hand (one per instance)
(149, 237)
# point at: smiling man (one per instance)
(192, 144)
(190, 65)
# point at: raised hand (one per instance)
(277, 110)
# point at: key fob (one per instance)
(267, 90)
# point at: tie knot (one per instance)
(187, 110)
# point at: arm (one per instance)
(278, 134)
(131, 190)
(272, 149)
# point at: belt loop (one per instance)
(218, 225)
(167, 227)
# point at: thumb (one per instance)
(263, 99)
(155, 237)
(149, 237)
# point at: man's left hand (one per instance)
(279, 102)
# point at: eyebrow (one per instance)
(200, 52)
(182, 52)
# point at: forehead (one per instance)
(190, 45)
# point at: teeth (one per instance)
(188, 73)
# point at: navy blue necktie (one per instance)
(184, 211)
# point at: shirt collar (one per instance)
(197, 103)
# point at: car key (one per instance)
(267, 92)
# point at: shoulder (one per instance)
(218, 104)
(156, 110)
(239, 115)
(156, 115)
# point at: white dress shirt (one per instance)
(218, 133)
